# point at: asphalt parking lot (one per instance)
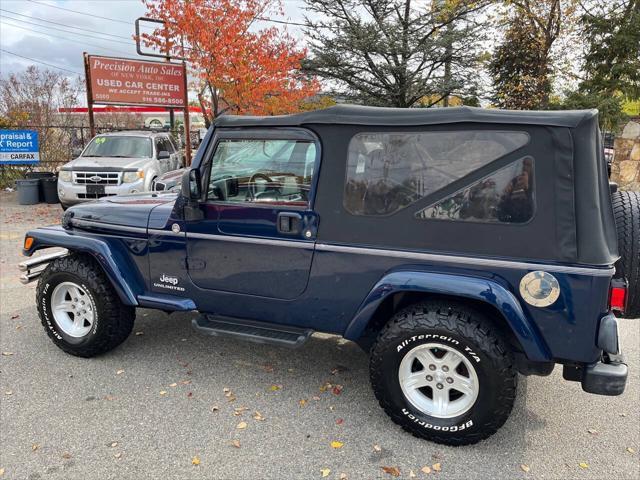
(171, 403)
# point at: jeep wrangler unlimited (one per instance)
(459, 247)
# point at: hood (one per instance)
(96, 163)
(122, 210)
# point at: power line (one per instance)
(61, 24)
(67, 31)
(39, 61)
(73, 40)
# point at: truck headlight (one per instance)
(130, 177)
(64, 175)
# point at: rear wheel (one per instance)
(79, 309)
(442, 372)
(626, 208)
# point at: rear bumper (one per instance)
(605, 378)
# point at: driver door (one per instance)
(258, 232)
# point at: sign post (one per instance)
(123, 81)
(19, 147)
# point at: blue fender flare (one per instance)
(112, 256)
(476, 288)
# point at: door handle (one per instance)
(289, 223)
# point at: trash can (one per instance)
(40, 176)
(28, 191)
(50, 189)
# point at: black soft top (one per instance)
(380, 116)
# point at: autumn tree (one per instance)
(239, 67)
(397, 53)
(522, 64)
(32, 100)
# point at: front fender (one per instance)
(475, 288)
(110, 253)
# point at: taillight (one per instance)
(618, 295)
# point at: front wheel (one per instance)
(442, 372)
(79, 309)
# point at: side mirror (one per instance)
(191, 185)
(76, 152)
(162, 154)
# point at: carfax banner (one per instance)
(19, 147)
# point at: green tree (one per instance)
(395, 52)
(522, 64)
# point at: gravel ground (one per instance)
(152, 406)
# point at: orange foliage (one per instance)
(240, 69)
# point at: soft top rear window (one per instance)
(387, 172)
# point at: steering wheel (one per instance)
(252, 185)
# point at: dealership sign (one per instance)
(135, 82)
(19, 147)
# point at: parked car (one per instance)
(170, 181)
(117, 163)
(458, 247)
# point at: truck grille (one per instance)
(96, 178)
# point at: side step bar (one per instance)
(35, 266)
(258, 332)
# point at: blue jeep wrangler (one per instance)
(458, 247)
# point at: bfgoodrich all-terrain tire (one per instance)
(626, 208)
(442, 372)
(79, 309)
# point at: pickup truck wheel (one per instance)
(79, 309)
(626, 208)
(443, 373)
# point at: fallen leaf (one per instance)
(583, 465)
(339, 421)
(411, 474)
(236, 443)
(13, 317)
(163, 392)
(325, 472)
(226, 390)
(1, 471)
(215, 408)
(331, 408)
(241, 425)
(316, 398)
(190, 394)
(592, 431)
(185, 382)
(302, 402)
(119, 372)
(118, 455)
(525, 468)
(337, 390)
(195, 460)
(631, 450)
(114, 444)
(9, 392)
(109, 397)
(325, 387)
(393, 471)
(336, 444)
(623, 414)
(139, 333)
(66, 455)
(436, 467)
(35, 447)
(273, 388)
(343, 476)
(258, 416)
(425, 469)
(377, 448)
(239, 410)
(7, 354)
(173, 385)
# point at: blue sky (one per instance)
(47, 31)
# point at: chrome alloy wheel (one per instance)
(438, 380)
(72, 309)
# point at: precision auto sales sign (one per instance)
(131, 82)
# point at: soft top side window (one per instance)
(387, 172)
(263, 171)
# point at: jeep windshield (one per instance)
(119, 147)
